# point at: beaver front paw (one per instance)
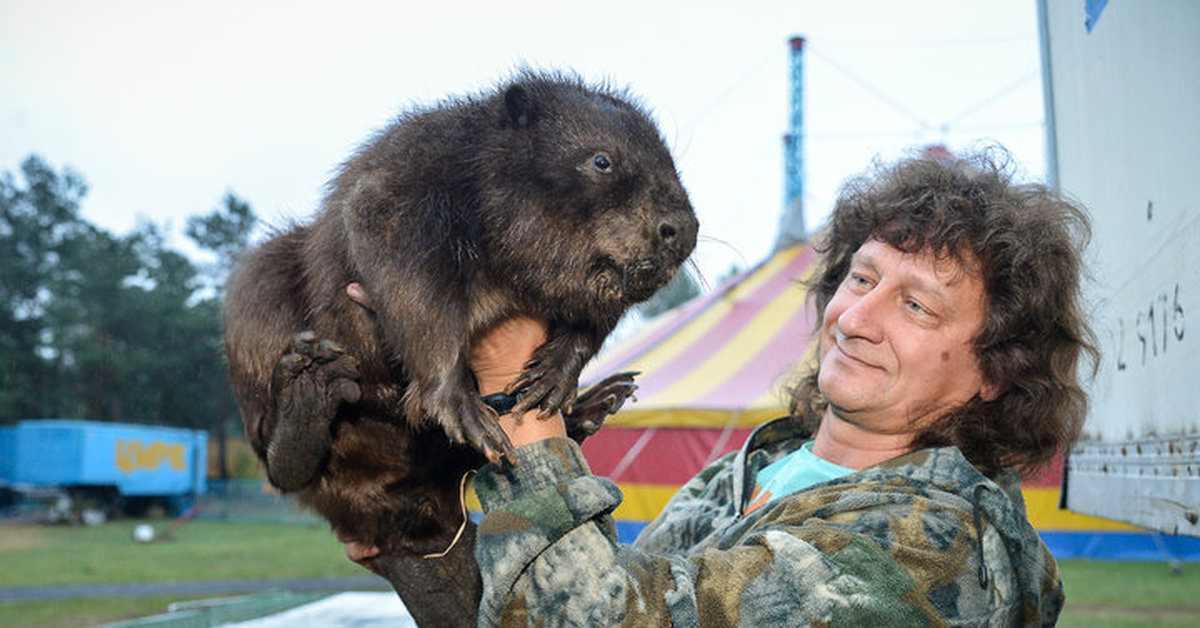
(551, 379)
(597, 403)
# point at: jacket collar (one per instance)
(767, 443)
(945, 467)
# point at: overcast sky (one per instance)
(164, 106)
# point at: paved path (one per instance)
(344, 610)
(193, 588)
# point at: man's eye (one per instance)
(915, 307)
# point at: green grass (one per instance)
(200, 550)
(81, 612)
(1130, 594)
(1099, 594)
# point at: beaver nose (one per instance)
(668, 232)
(678, 233)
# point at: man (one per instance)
(950, 335)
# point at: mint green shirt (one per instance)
(794, 472)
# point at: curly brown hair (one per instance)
(1025, 241)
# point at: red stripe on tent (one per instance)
(1050, 477)
(742, 312)
(605, 449)
(671, 456)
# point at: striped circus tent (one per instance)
(711, 370)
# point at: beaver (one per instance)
(545, 196)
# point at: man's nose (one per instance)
(862, 318)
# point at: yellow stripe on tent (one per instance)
(666, 351)
(643, 502)
(608, 359)
(738, 351)
(774, 400)
(696, 328)
(1041, 505)
(776, 264)
(690, 417)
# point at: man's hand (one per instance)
(498, 357)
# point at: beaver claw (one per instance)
(463, 416)
(486, 435)
(551, 378)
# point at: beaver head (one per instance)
(585, 192)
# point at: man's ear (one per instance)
(991, 391)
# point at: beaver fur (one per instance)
(546, 197)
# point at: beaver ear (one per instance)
(516, 100)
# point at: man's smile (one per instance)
(849, 356)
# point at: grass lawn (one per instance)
(200, 550)
(81, 612)
(1099, 594)
(1130, 594)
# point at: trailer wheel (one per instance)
(92, 505)
(93, 516)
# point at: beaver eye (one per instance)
(602, 162)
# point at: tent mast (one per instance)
(791, 222)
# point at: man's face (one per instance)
(896, 341)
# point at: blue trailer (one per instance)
(89, 470)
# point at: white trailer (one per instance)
(1122, 88)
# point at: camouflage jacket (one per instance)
(897, 544)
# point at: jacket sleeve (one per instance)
(548, 554)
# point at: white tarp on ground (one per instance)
(344, 610)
